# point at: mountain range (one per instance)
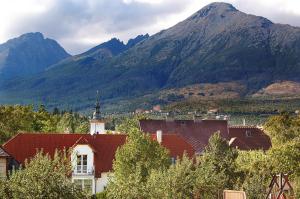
(29, 54)
(217, 44)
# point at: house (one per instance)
(197, 132)
(91, 155)
(7, 163)
(248, 138)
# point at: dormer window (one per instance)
(81, 166)
(248, 133)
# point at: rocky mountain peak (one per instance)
(137, 39)
(217, 8)
(29, 54)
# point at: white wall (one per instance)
(83, 150)
(102, 182)
(97, 127)
(3, 167)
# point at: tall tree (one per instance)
(42, 177)
(176, 182)
(216, 170)
(133, 163)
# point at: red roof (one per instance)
(249, 138)
(176, 145)
(24, 146)
(195, 132)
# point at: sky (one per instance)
(79, 25)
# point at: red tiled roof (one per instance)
(24, 146)
(195, 132)
(176, 145)
(256, 138)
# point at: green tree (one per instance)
(216, 168)
(42, 177)
(256, 170)
(283, 128)
(128, 124)
(133, 163)
(176, 182)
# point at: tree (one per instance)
(42, 177)
(256, 171)
(133, 163)
(176, 182)
(284, 155)
(216, 168)
(283, 128)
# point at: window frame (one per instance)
(81, 164)
(82, 184)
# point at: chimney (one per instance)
(159, 136)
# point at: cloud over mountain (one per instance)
(81, 24)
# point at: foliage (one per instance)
(128, 124)
(14, 119)
(100, 195)
(133, 163)
(176, 182)
(42, 177)
(216, 168)
(283, 128)
(256, 172)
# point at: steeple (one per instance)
(96, 114)
(97, 123)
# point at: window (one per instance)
(84, 184)
(81, 164)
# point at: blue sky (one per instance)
(81, 24)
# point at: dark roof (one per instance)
(249, 138)
(195, 132)
(176, 145)
(25, 145)
(3, 153)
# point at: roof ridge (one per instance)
(242, 126)
(12, 138)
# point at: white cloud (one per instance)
(81, 24)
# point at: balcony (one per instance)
(83, 170)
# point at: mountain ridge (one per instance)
(216, 44)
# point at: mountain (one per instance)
(216, 44)
(101, 52)
(29, 54)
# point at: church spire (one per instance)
(96, 114)
(97, 123)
